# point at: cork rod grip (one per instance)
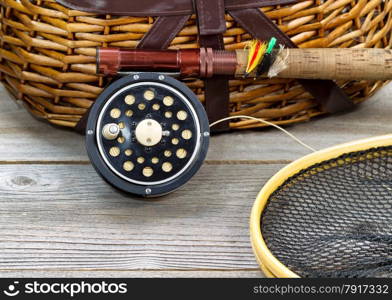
(331, 63)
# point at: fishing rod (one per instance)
(323, 63)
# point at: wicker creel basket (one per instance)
(48, 55)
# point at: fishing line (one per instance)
(292, 136)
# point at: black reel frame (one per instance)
(109, 170)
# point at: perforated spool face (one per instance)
(147, 145)
(335, 219)
(156, 120)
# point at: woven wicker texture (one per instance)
(48, 55)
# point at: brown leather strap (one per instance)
(216, 89)
(326, 92)
(163, 32)
(210, 16)
(142, 8)
(160, 36)
(212, 25)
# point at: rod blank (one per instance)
(323, 63)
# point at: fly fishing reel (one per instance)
(147, 134)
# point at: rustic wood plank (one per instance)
(23, 138)
(133, 274)
(64, 217)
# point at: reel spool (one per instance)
(147, 134)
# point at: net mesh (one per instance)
(334, 219)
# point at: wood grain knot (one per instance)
(23, 181)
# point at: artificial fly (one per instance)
(268, 59)
(260, 56)
(256, 53)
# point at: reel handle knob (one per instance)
(110, 131)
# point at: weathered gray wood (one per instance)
(23, 138)
(134, 274)
(64, 217)
(58, 218)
